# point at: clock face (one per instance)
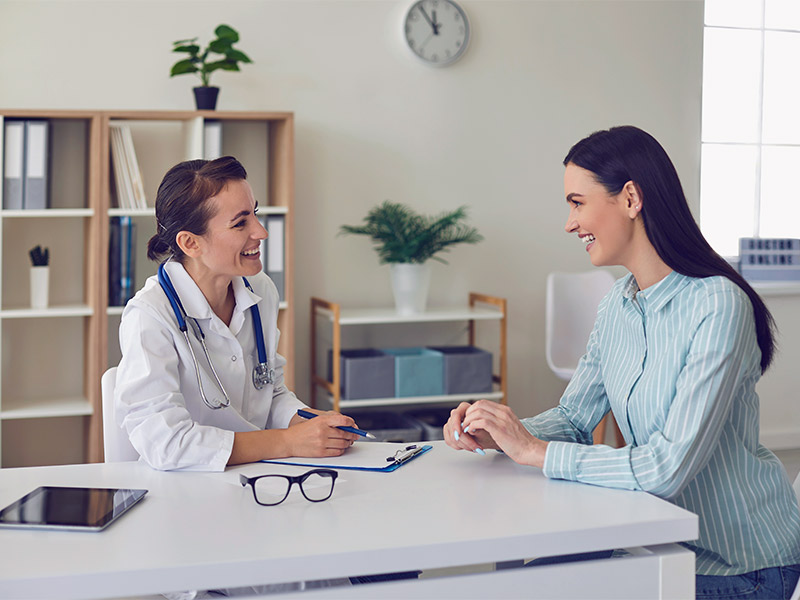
(437, 31)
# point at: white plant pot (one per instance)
(40, 286)
(410, 283)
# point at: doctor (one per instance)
(186, 406)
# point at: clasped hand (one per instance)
(489, 425)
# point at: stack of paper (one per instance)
(127, 176)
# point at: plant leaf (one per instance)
(238, 56)
(227, 32)
(220, 46)
(183, 67)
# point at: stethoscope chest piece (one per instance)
(262, 375)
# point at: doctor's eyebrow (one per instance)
(244, 213)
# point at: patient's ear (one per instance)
(633, 199)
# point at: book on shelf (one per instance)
(127, 175)
(212, 139)
(121, 260)
(26, 164)
(272, 252)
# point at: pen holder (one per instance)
(40, 286)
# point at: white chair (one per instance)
(116, 445)
(571, 308)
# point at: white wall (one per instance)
(373, 123)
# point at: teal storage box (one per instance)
(467, 369)
(417, 372)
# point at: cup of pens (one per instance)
(40, 277)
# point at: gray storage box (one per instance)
(432, 421)
(467, 369)
(387, 426)
(365, 373)
(417, 372)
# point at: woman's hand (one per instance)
(487, 420)
(319, 436)
(454, 436)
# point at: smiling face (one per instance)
(604, 222)
(230, 245)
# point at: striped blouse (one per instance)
(677, 363)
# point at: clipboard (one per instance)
(383, 457)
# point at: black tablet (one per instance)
(71, 508)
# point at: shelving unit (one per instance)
(480, 308)
(75, 339)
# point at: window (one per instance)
(750, 160)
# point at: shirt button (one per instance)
(233, 358)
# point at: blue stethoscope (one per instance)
(262, 374)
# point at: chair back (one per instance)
(571, 308)
(116, 445)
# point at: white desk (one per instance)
(447, 508)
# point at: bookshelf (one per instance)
(480, 308)
(50, 408)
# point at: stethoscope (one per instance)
(262, 374)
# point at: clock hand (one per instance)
(433, 24)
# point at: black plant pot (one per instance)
(206, 97)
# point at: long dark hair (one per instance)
(182, 201)
(622, 154)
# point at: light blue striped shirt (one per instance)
(677, 363)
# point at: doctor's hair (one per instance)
(182, 201)
(622, 154)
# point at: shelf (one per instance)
(131, 212)
(77, 310)
(44, 408)
(776, 288)
(48, 213)
(453, 399)
(377, 316)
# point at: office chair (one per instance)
(116, 445)
(571, 308)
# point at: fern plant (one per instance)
(400, 235)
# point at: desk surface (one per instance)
(199, 530)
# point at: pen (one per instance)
(309, 415)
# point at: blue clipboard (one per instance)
(383, 457)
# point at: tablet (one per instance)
(70, 508)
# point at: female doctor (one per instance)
(186, 406)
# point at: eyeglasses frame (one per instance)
(298, 479)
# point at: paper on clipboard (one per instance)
(364, 456)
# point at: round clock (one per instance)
(437, 31)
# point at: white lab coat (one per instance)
(157, 399)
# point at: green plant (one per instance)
(400, 235)
(200, 64)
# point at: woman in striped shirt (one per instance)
(675, 354)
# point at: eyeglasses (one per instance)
(268, 490)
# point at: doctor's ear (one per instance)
(189, 243)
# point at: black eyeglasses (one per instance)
(269, 490)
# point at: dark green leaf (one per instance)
(227, 32)
(220, 46)
(183, 67)
(192, 49)
(237, 56)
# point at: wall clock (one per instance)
(437, 31)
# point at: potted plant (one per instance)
(407, 240)
(202, 65)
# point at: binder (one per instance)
(13, 164)
(212, 140)
(121, 260)
(35, 190)
(274, 261)
(383, 457)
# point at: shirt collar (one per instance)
(657, 295)
(193, 300)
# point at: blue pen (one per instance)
(309, 415)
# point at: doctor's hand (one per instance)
(320, 436)
(506, 430)
(474, 441)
